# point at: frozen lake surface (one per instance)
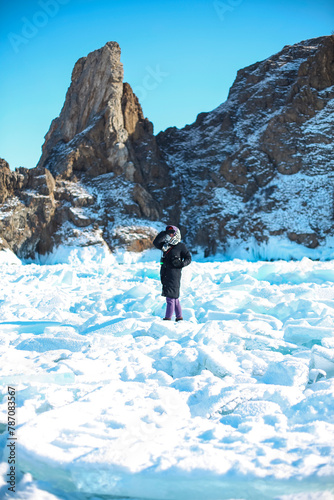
(236, 402)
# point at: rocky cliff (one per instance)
(100, 166)
(261, 164)
(27, 210)
(257, 167)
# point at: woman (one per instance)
(175, 255)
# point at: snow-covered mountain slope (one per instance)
(258, 167)
(261, 164)
(235, 402)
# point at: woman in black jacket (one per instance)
(175, 256)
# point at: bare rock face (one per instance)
(27, 210)
(259, 166)
(134, 238)
(6, 181)
(102, 130)
(102, 145)
(92, 109)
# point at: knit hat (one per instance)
(171, 230)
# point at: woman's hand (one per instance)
(177, 262)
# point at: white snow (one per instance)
(292, 210)
(236, 402)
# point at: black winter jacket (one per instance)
(172, 261)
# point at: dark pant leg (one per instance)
(178, 310)
(170, 307)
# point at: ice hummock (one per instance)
(235, 402)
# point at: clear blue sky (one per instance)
(192, 47)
